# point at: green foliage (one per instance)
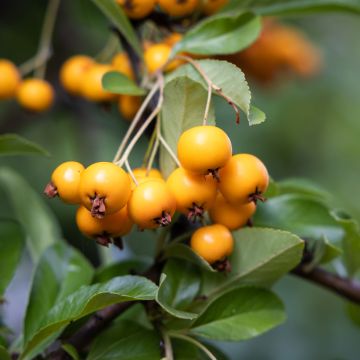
(221, 34)
(240, 314)
(13, 144)
(11, 247)
(4, 355)
(116, 15)
(126, 340)
(37, 220)
(84, 301)
(118, 83)
(71, 351)
(230, 79)
(183, 108)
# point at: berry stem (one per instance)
(155, 147)
(169, 150)
(167, 344)
(36, 61)
(207, 107)
(147, 122)
(136, 120)
(128, 168)
(108, 49)
(46, 35)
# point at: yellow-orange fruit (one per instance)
(9, 79)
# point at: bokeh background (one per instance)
(312, 131)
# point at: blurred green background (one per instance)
(312, 131)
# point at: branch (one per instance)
(345, 287)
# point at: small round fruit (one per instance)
(9, 79)
(137, 9)
(65, 181)
(213, 242)
(129, 106)
(156, 56)
(151, 204)
(204, 149)
(104, 188)
(72, 73)
(212, 6)
(172, 39)
(121, 62)
(178, 7)
(91, 87)
(243, 179)
(104, 230)
(229, 215)
(35, 95)
(142, 173)
(193, 193)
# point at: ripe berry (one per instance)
(65, 181)
(140, 173)
(104, 230)
(72, 73)
(172, 39)
(137, 9)
(129, 106)
(104, 188)
(156, 56)
(204, 149)
(213, 242)
(35, 95)
(243, 179)
(121, 62)
(229, 215)
(194, 193)
(9, 79)
(151, 204)
(91, 87)
(212, 6)
(178, 8)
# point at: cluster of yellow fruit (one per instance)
(138, 9)
(33, 94)
(210, 179)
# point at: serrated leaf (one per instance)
(4, 354)
(179, 285)
(239, 315)
(184, 252)
(13, 144)
(31, 211)
(183, 108)
(301, 214)
(221, 34)
(351, 241)
(117, 16)
(87, 300)
(126, 340)
(118, 83)
(260, 257)
(11, 247)
(60, 271)
(229, 78)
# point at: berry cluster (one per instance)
(209, 179)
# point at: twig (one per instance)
(34, 62)
(167, 343)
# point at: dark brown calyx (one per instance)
(103, 239)
(118, 242)
(195, 213)
(98, 207)
(164, 219)
(256, 196)
(215, 174)
(51, 190)
(250, 223)
(222, 266)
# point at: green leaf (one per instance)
(229, 78)
(184, 252)
(60, 271)
(118, 83)
(13, 144)
(300, 214)
(71, 351)
(85, 301)
(4, 355)
(351, 241)
(31, 211)
(165, 295)
(260, 257)
(221, 34)
(183, 108)
(323, 252)
(126, 340)
(125, 267)
(11, 247)
(239, 315)
(117, 16)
